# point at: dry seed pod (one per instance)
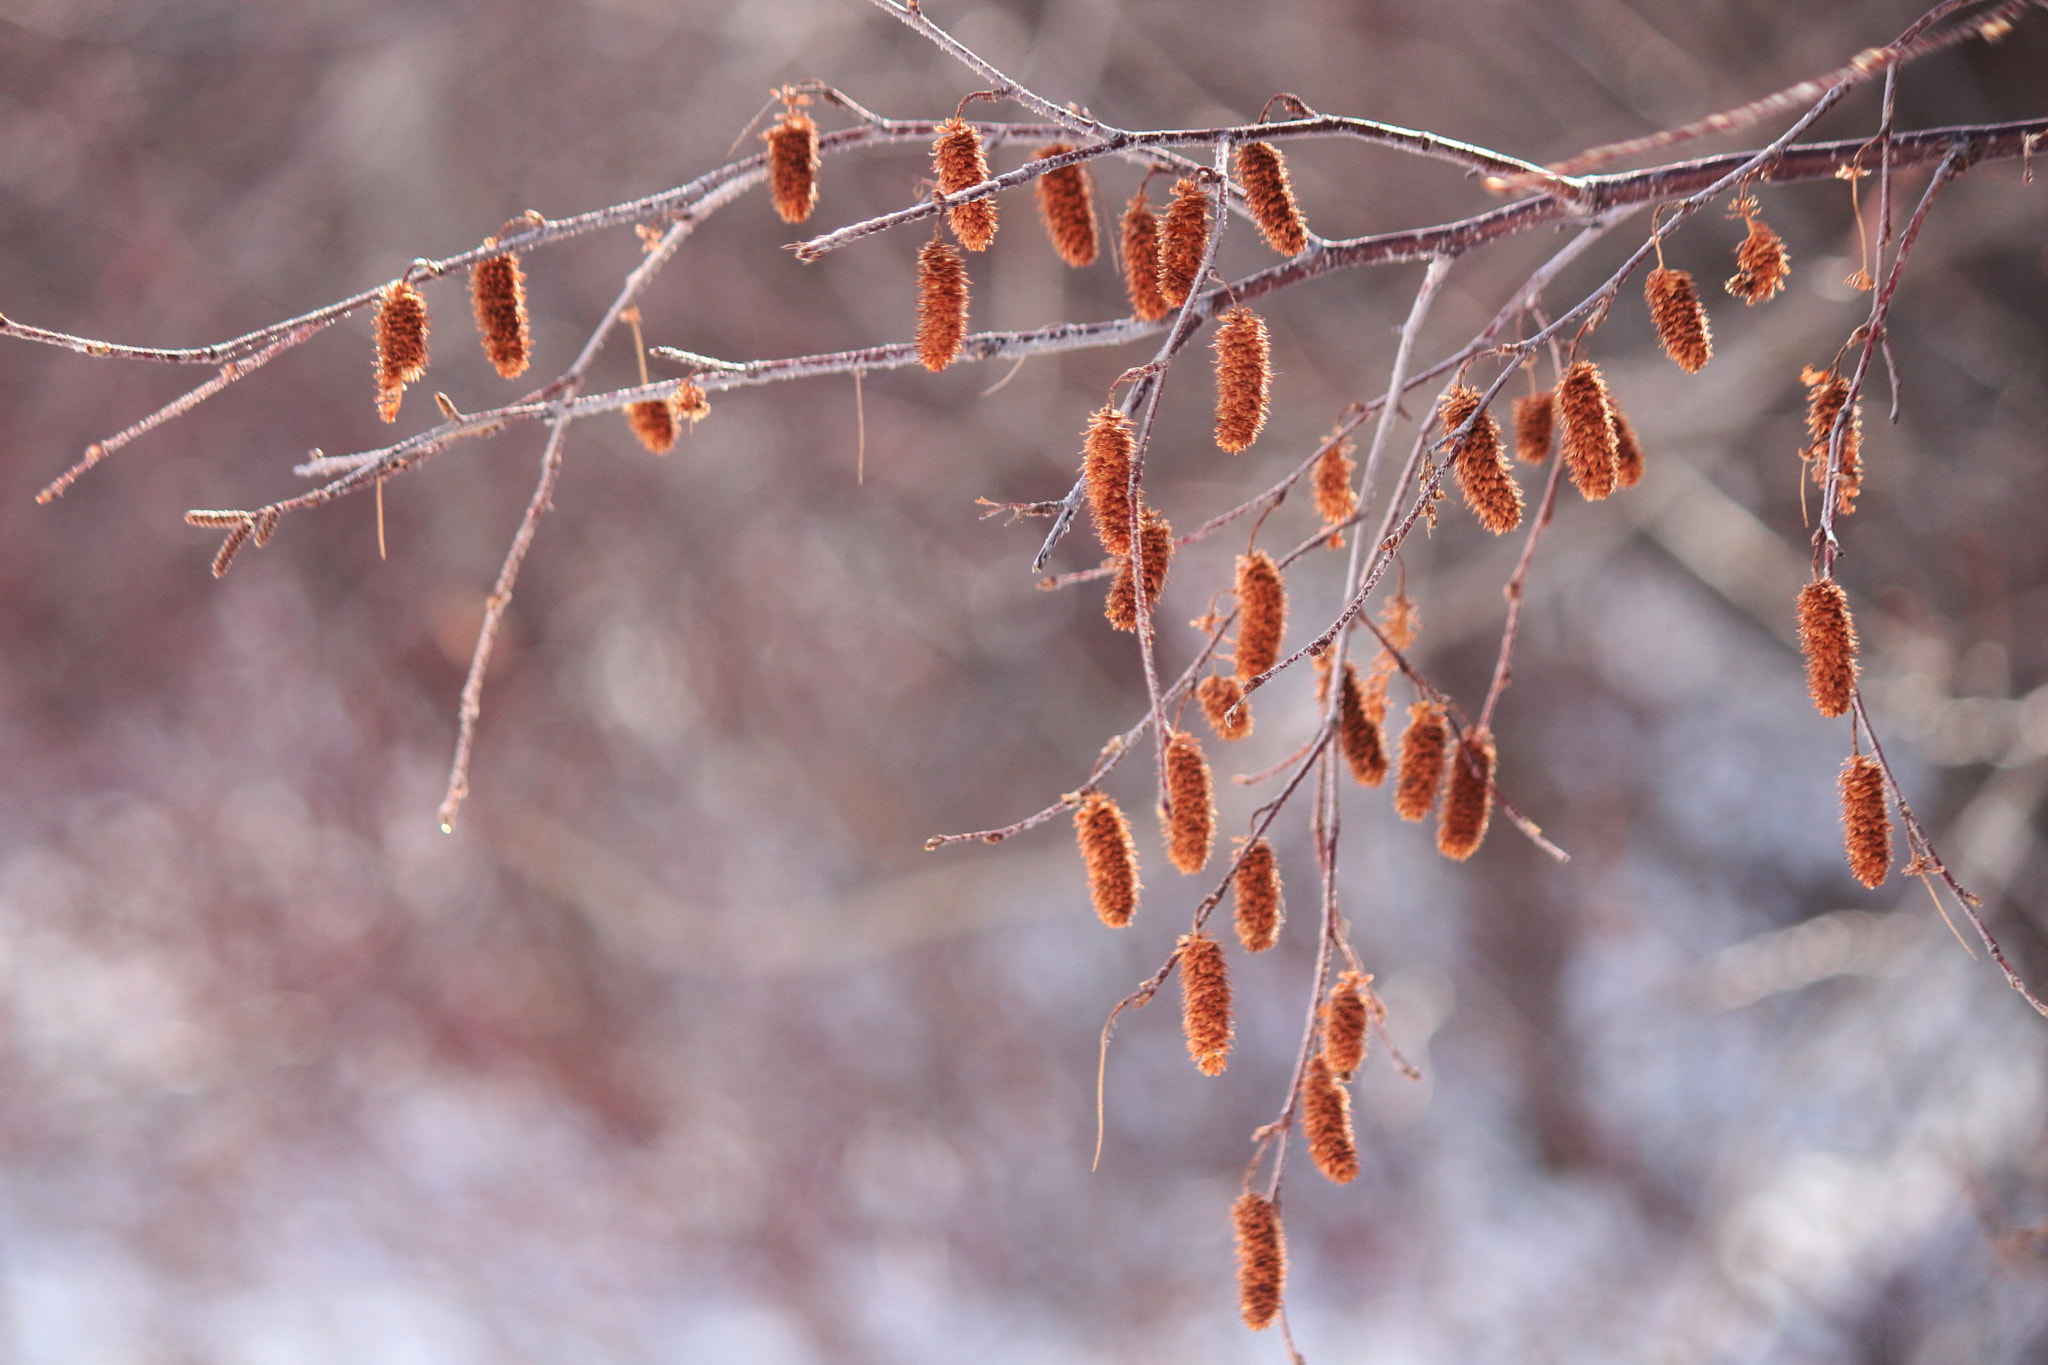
(1628, 452)
(1826, 393)
(1535, 416)
(1066, 203)
(1483, 474)
(1461, 824)
(401, 332)
(1680, 318)
(958, 161)
(1261, 1260)
(1110, 857)
(1184, 241)
(941, 304)
(1263, 173)
(1191, 821)
(1326, 1121)
(1106, 464)
(1827, 636)
(793, 165)
(1218, 695)
(1761, 263)
(1422, 761)
(1155, 541)
(1358, 733)
(654, 421)
(1262, 614)
(1260, 908)
(1344, 1017)
(1141, 261)
(1244, 374)
(689, 403)
(1205, 1002)
(1866, 826)
(1590, 440)
(1336, 500)
(497, 292)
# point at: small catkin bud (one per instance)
(1184, 241)
(1482, 468)
(1244, 374)
(1263, 173)
(1590, 439)
(1535, 417)
(958, 161)
(941, 304)
(654, 421)
(1261, 1260)
(1191, 819)
(1468, 802)
(1866, 827)
(1141, 261)
(1111, 858)
(1422, 761)
(401, 332)
(497, 291)
(1628, 452)
(1106, 464)
(1336, 499)
(1261, 614)
(1218, 694)
(1326, 1122)
(1358, 733)
(1260, 909)
(793, 165)
(1066, 203)
(1344, 1017)
(1827, 636)
(1155, 542)
(1680, 318)
(1205, 1002)
(1761, 264)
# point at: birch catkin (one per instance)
(1628, 452)
(1336, 500)
(1680, 318)
(1827, 636)
(1111, 858)
(1244, 375)
(1184, 241)
(1483, 474)
(1761, 262)
(1262, 171)
(1261, 1260)
(1461, 825)
(1191, 815)
(1590, 440)
(1422, 761)
(1326, 1121)
(1866, 826)
(1260, 907)
(1261, 614)
(1106, 464)
(1141, 261)
(401, 334)
(1358, 732)
(1205, 1002)
(1155, 543)
(1344, 1020)
(1066, 204)
(1222, 700)
(497, 293)
(959, 164)
(941, 304)
(793, 165)
(1535, 417)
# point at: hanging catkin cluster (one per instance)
(1066, 203)
(1221, 697)
(1761, 262)
(1244, 375)
(958, 162)
(1205, 1002)
(793, 165)
(1358, 731)
(1141, 261)
(1468, 802)
(1191, 812)
(1826, 393)
(1336, 500)
(1184, 241)
(1110, 857)
(1422, 761)
(1155, 548)
(1261, 1260)
(1482, 468)
(1590, 440)
(1106, 464)
(1866, 827)
(1827, 636)
(1270, 196)
(1261, 614)
(1260, 907)
(1535, 418)
(1326, 1121)
(497, 293)
(1628, 452)
(401, 333)
(941, 304)
(1679, 317)
(1344, 1020)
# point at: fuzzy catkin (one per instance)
(401, 333)
(1110, 856)
(793, 165)
(1827, 636)
(1261, 1260)
(1866, 826)
(1155, 541)
(1468, 802)
(1066, 204)
(1326, 1122)
(1218, 694)
(1826, 394)
(497, 293)
(1184, 241)
(1680, 318)
(958, 162)
(1761, 264)
(1358, 733)
(654, 422)
(1260, 908)
(1423, 746)
(941, 304)
(1590, 440)
(1244, 376)
(1261, 614)
(1205, 1002)
(1262, 171)
(1344, 1019)
(1336, 500)
(1483, 474)
(1106, 464)
(1141, 261)
(1191, 817)
(1535, 419)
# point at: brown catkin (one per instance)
(1826, 393)
(958, 161)
(1218, 694)
(1482, 468)
(1066, 204)
(1244, 375)
(1261, 614)
(1262, 171)
(1628, 452)
(1344, 1017)
(1336, 500)
(1261, 1260)
(1260, 909)
(1535, 419)
(1468, 801)
(1155, 540)
(654, 421)
(1205, 1002)
(1326, 1122)
(1184, 241)
(1761, 264)
(1827, 636)
(1191, 822)
(1422, 761)
(1680, 318)
(1866, 826)
(1358, 733)
(1111, 858)
(793, 165)
(1141, 261)
(1590, 439)
(497, 291)
(401, 332)
(1106, 464)
(941, 304)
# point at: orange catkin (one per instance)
(1468, 803)
(1761, 263)
(1205, 1002)
(1191, 820)
(1066, 204)
(793, 165)
(1260, 909)
(1422, 761)
(1184, 241)
(1244, 375)
(1866, 827)
(1141, 261)
(1155, 541)
(1106, 464)
(1590, 440)
(1628, 452)
(1535, 417)
(1826, 393)
(1218, 694)
(401, 332)
(654, 421)
(1262, 614)
(1483, 475)
(959, 164)
(497, 291)
(1680, 318)
(941, 304)
(1326, 1122)
(1336, 500)
(1827, 636)
(1110, 857)
(1358, 732)
(1263, 173)
(1261, 1260)
(1344, 1018)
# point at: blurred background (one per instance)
(681, 1048)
